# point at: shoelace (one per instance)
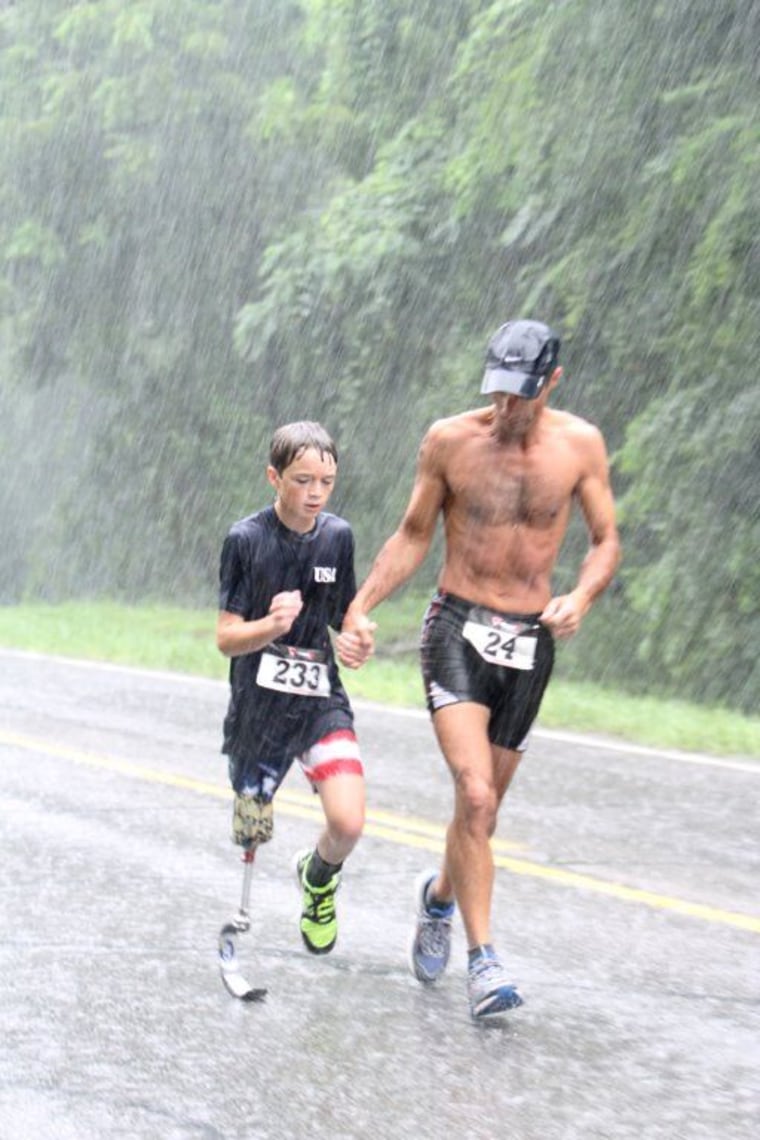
(321, 908)
(488, 973)
(434, 933)
(433, 940)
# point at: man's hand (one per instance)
(563, 615)
(284, 610)
(356, 641)
(353, 651)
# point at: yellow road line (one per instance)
(407, 831)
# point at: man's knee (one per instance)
(478, 802)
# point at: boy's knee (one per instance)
(346, 826)
(349, 827)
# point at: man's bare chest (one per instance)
(512, 492)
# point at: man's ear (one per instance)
(273, 476)
(555, 377)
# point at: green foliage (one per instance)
(692, 570)
(217, 215)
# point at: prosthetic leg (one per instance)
(252, 824)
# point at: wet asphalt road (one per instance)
(625, 905)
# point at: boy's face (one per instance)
(303, 489)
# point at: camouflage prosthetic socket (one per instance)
(252, 820)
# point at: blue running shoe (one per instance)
(431, 945)
(489, 989)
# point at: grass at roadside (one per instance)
(180, 640)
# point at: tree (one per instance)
(215, 216)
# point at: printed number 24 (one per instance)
(497, 645)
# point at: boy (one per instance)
(286, 575)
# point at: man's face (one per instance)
(303, 488)
(514, 415)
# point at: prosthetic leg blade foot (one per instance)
(229, 965)
(253, 825)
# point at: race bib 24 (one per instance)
(500, 641)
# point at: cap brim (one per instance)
(515, 383)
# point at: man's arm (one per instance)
(405, 550)
(563, 615)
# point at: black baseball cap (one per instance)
(521, 356)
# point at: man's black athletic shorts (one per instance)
(503, 661)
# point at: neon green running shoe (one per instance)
(319, 922)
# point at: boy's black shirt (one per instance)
(260, 558)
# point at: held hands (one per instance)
(355, 643)
(284, 610)
(563, 615)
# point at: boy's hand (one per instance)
(284, 610)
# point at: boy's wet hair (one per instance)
(290, 440)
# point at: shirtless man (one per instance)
(504, 477)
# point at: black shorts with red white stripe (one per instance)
(325, 746)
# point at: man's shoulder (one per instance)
(461, 425)
(572, 425)
(577, 437)
(446, 439)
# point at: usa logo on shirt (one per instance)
(324, 573)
